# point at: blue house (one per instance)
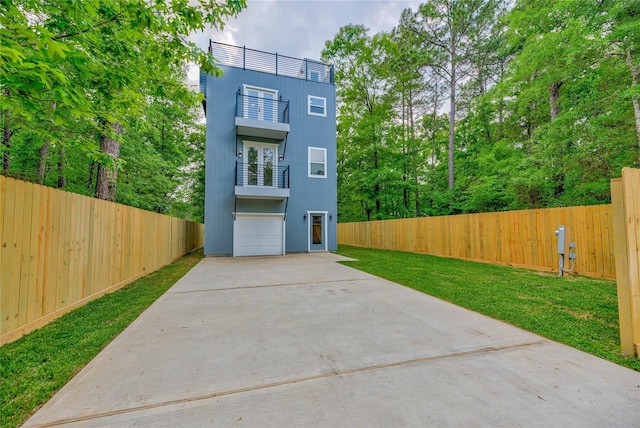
(271, 154)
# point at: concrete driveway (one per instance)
(303, 341)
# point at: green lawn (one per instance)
(35, 366)
(578, 311)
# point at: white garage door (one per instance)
(258, 234)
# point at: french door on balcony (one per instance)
(262, 162)
(260, 104)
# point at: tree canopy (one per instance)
(473, 106)
(93, 88)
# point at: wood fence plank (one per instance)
(25, 253)
(598, 245)
(9, 291)
(98, 247)
(65, 247)
(41, 251)
(608, 255)
(91, 246)
(75, 221)
(622, 268)
(16, 287)
(631, 192)
(83, 255)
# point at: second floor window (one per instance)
(317, 106)
(317, 162)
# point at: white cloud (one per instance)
(299, 28)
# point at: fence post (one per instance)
(626, 229)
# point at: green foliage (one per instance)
(73, 73)
(580, 312)
(37, 365)
(545, 108)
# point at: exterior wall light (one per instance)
(304, 217)
(239, 153)
(330, 217)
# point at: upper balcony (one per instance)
(258, 114)
(273, 63)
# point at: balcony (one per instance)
(255, 181)
(260, 116)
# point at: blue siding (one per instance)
(306, 194)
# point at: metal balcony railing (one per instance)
(251, 174)
(273, 63)
(260, 108)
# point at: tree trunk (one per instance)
(405, 154)
(452, 117)
(6, 137)
(635, 76)
(376, 187)
(62, 181)
(108, 174)
(554, 99)
(44, 153)
(42, 163)
(92, 167)
(434, 122)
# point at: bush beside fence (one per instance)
(60, 250)
(516, 238)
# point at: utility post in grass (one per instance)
(626, 230)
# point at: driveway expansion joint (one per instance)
(333, 373)
(249, 287)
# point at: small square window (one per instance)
(317, 106)
(317, 162)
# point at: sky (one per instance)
(299, 28)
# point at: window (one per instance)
(317, 106)
(317, 162)
(314, 75)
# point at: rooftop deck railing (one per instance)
(273, 63)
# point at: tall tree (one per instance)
(449, 28)
(404, 62)
(364, 119)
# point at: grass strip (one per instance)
(37, 365)
(577, 311)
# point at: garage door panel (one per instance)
(258, 235)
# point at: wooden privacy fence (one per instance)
(625, 197)
(60, 250)
(517, 238)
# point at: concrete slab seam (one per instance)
(284, 284)
(334, 373)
